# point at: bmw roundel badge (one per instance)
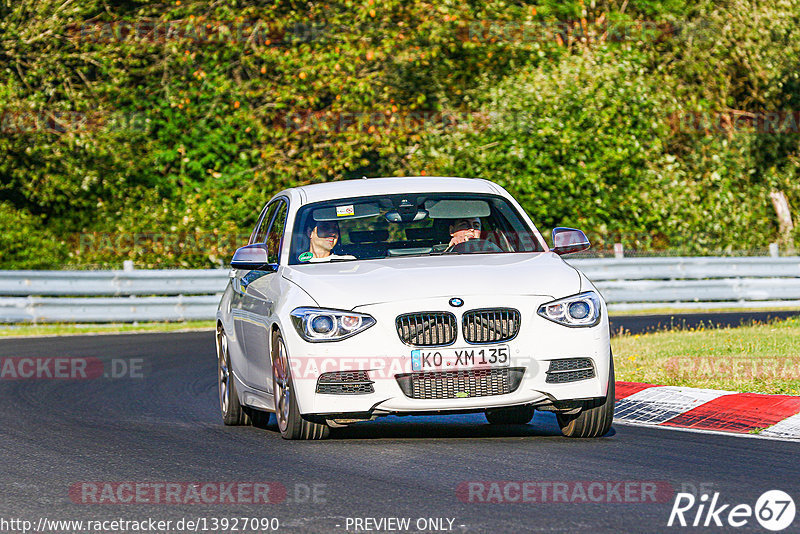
(456, 302)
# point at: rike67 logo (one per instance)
(774, 510)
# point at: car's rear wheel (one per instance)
(290, 422)
(594, 419)
(515, 415)
(232, 412)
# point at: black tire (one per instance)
(515, 415)
(290, 423)
(594, 420)
(231, 409)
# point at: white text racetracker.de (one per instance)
(395, 524)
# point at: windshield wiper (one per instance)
(334, 258)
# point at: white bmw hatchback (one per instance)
(363, 298)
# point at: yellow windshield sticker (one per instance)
(345, 211)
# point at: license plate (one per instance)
(460, 358)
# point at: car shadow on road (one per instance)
(462, 426)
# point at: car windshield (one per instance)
(389, 226)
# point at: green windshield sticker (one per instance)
(305, 256)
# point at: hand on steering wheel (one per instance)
(473, 245)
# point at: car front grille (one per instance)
(490, 325)
(427, 329)
(345, 383)
(569, 370)
(461, 384)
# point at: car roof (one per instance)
(387, 186)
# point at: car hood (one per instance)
(345, 285)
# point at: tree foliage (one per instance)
(155, 131)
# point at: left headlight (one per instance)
(578, 310)
(319, 324)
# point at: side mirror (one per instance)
(251, 258)
(569, 240)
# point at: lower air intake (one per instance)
(461, 384)
(570, 370)
(345, 383)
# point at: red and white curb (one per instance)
(773, 416)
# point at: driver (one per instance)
(462, 230)
(323, 237)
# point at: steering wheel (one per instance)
(474, 245)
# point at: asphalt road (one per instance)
(162, 425)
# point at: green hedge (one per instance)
(122, 144)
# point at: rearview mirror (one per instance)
(569, 240)
(406, 212)
(251, 258)
(397, 216)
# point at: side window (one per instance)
(275, 235)
(260, 232)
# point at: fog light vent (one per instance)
(570, 370)
(345, 383)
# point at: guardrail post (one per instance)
(773, 250)
(127, 266)
(31, 309)
(619, 251)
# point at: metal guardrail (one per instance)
(113, 283)
(178, 295)
(630, 284)
(687, 268)
(105, 309)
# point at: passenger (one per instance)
(322, 236)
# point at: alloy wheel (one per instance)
(223, 372)
(283, 390)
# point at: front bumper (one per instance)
(380, 351)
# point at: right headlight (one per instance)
(580, 310)
(319, 324)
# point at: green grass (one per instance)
(682, 311)
(112, 328)
(761, 358)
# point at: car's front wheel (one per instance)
(232, 412)
(594, 419)
(290, 422)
